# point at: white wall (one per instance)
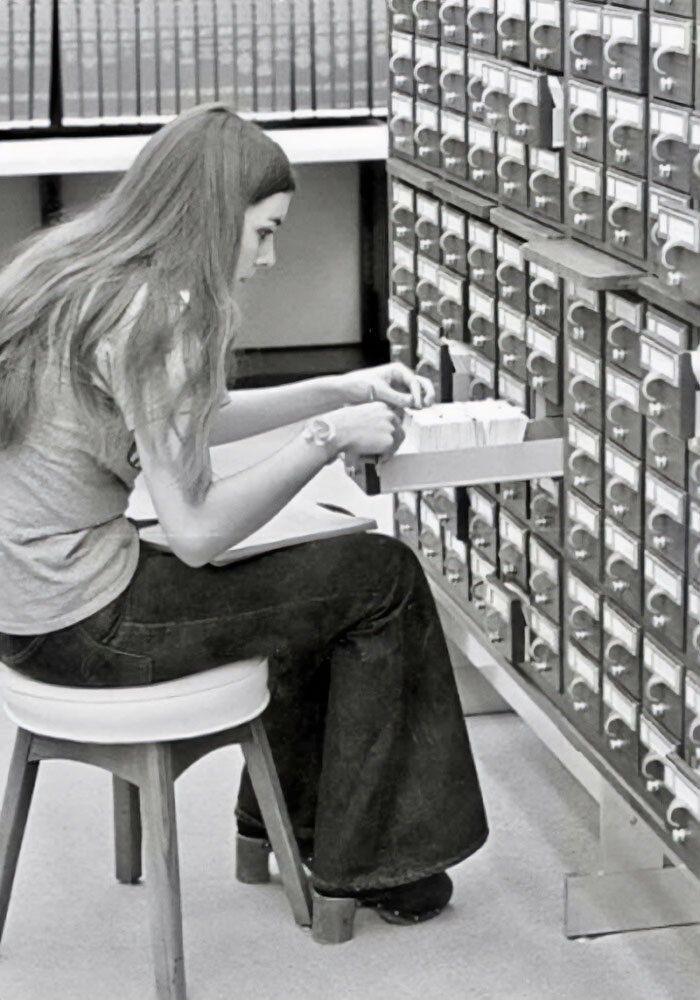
(311, 297)
(20, 212)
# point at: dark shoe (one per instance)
(411, 903)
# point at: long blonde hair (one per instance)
(174, 221)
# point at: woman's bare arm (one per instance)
(237, 505)
(253, 411)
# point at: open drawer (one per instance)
(540, 454)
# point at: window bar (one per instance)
(234, 43)
(176, 33)
(100, 61)
(370, 58)
(156, 23)
(273, 42)
(331, 23)
(11, 57)
(56, 91)
(137, 53)
(351, 51)
(79, 57)
(254, 46)
(312, 53)
(195, 43)
(292, 47)
(32, 44)
(215, 32)
(118, 55)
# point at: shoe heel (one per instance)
(252, 859)
(333, 918)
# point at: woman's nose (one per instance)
(266, 257)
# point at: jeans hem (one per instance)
(407, 875)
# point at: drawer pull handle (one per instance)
(449, 5)
(679, 833)
(621, 234)
(667, 81)
(579, 478)
(618, 584)
(573, 40)
(612, 330)
(616, 668)
(615, 742)
(540, 663)
(660, 541)
(656, 408)
(645, 767)
(578, 332)
(581, 405)
(675, 276)
(613, 485)
(541, 199)
(542, 52)
(578, 704)
(657, 706)
(503, 267)
(617, 146)
(578, 529)
(471, 258)
(654, 595)
(504, 336)
(537, 284)
(579, 133)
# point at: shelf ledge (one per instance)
(584, 265)
(115, 154)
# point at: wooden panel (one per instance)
(583, 264)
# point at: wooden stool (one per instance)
(146, 737)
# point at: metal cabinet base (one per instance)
(634, 891)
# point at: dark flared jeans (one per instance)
(364, 720)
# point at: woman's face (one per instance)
(258, 240)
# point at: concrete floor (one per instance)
(73, 933)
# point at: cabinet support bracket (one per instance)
(637, 888)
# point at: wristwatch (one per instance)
(321, 431)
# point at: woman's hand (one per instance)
(368, 429)
(394, 384)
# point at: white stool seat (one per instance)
(195, 705)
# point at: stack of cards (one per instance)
(453, 426)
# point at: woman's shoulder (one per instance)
(125, 361)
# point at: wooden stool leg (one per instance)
(263, 776)
(21, 779)
(127, 830)
(162, 869)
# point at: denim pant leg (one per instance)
(364, 722)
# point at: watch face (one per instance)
(323, 431)
(319, 431)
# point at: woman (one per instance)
(115, 328)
